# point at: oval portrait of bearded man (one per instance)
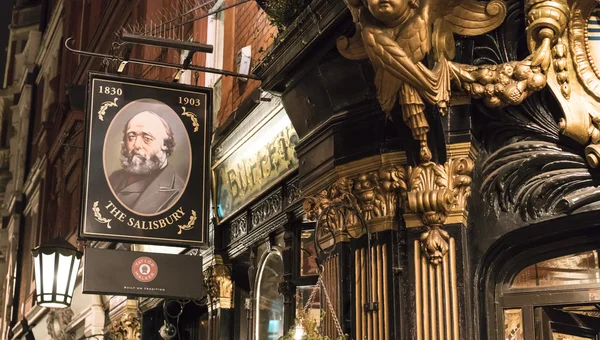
(147, 157)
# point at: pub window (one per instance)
(574, 269)
(269, 303)
(557, 298)
(306, 284)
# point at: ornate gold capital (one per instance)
(375, 194)
(438, 195)
(128, 326)
(217, 280)
(428, 195)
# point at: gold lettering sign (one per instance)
(255, 164)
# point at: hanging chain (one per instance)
(311, 298)
(330, 306)
(313, 294)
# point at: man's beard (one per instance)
(137, 162)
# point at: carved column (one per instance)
(217, 279)
(436, 216)
(128, 326)
(360, 280)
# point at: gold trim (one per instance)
(357, 286)
(436, 296)
(418, 289)
(447, 302)
(105, 106)
(454, 287)
(384, 302)
(98, 217)
(193, 117)
(189, 225)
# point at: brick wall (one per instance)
(246, 24)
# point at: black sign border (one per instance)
(128, 294)
(89, 114)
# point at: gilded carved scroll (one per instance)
(575, 79)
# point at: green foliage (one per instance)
(311, 328)
(283, 12)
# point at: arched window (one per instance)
(558, 298)
(542, 281)
(269, 303)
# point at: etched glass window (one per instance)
(574, 269)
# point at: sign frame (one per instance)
(180, 111)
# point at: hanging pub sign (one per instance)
(147, 169)
(131, 273)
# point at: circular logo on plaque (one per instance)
(144, 269)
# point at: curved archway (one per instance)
(268, 308)
(522, 248)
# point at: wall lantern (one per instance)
(56, 265)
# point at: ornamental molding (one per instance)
(267, 208)
(128, 324)
(57, 322)
(428, 195)
(239, 227)
(218, 283)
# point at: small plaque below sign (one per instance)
(130, 273)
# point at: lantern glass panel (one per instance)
(73, 276)
(47, 273)
(38, 274)
(62, 274)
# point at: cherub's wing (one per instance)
(386, 54)
(415, 38)
(387, 89)
(353, 47)
(471, 18)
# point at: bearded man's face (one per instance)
(143, 149)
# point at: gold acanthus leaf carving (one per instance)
(374, 194)
(397, 37)
(434, 243)
(430, 190)
(217, 280)
(128, 326)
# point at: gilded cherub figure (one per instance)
(397, 35)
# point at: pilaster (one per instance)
(219, 285)
(128, 325)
